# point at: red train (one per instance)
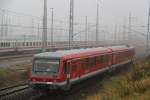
(61, 69)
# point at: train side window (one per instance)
(33, 43)
(2, 44)
(92, 62)
(67, 68)
(100, 60)
(106, 58)
(6, 44)
(119, 57)
(84, 64)
(122, 56)
(9, 44)
(74, 67)
(125, 55)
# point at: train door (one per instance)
(74, 69)
(72, 72)
(110, 60)
(114, 58)
(67, 72)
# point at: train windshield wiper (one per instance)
(53, 71)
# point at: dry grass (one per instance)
(11, 76)
(133, 85)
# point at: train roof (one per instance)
(119, 48)
(61, 53)
(78, 52)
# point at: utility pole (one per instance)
(52, 27)
(32, 26)
(104, 36)
(86, 30)
(129, 28)
(97, 24)
(119, 33)
(9, 26)
(38, 32)
(6, 25)
(24, 39)
(124, 31)
(44, 36)
(71, 23)
(148, 30)
(115, 34)
(2, 24)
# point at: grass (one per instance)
(13, 75)
(132, 85)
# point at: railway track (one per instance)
(15, 57)
(20, 91)
(10, 91)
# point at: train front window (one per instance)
(46, 66)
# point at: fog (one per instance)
(111, 11)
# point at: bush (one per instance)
(9, 77)
(133, 84)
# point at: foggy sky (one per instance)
(111, 11)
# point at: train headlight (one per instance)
(55, 81)
(33, 80)
(44, 80)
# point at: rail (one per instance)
(14, 57)
(20, 91)
(5, 92)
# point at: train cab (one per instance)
(46, 71)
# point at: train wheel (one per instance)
(111, 70)
(67, 87)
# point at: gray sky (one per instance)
(111, 11)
